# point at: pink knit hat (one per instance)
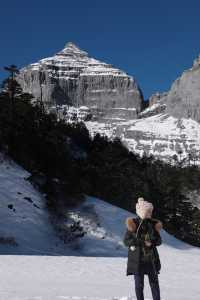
(144, 208)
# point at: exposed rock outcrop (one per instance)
(183, 100)
(157, 105)
(157, 98)
(71, 77)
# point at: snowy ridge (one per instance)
(72, 61)
(164, 135)
(160, 135)
(71, 77)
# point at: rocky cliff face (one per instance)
(157, 98)
(72, 78)
(183, 100)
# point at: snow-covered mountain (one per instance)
(168, 126)
(76, 86)
(95, 269)
(71, 77)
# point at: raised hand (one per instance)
(148, 244)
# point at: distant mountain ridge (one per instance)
(76, 86)
(72, 78)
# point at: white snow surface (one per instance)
(151, 108)
(162, 130)
(96, 268)
(166, 131)
(28, 221)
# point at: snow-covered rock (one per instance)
(157, 105)
(157, 98)
(72, 77)
(152, 110)
(160, 135)
(174, 127)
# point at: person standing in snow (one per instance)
(141, 237)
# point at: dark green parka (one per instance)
(135, 253)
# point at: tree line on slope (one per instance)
(74, 165)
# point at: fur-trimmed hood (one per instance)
(131, 225)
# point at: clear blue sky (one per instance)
(153, 40)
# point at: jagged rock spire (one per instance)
(196, 62)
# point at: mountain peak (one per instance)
(196, 62)
(71, 49)
(71, 45)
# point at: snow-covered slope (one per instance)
(95, 269)
(24, 220)
(25, 227)
(163, 136)
(160, 135)
(154, 109)
(99, 277)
